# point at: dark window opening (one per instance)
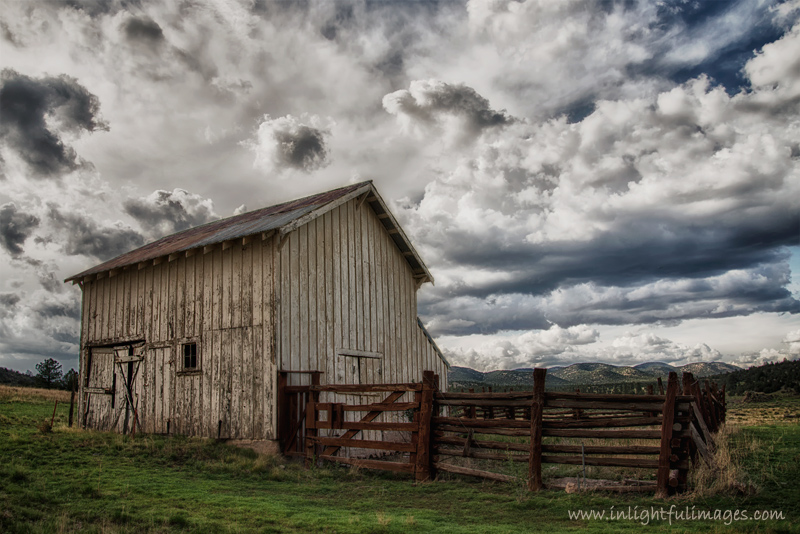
(190, 357)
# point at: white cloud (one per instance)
(563, 346)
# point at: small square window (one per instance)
(190, 362)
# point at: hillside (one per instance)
(581, 374)
(767, 378)
(466, 378)
(598, 373)
(709, 368)
(656, 368)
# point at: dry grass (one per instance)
(18, 394)
(772, 410)
(724, 473)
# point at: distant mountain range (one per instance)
(582, 374)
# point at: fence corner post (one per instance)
(668, 419)
(283, 420)
(311, 419)
(423, 468)
(537, 408)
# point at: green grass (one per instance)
(71, 480)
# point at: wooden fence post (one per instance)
(423, 469)
(650, 391)
(74, 385)
(311, 419)
(668, 419)
(471, 410)
(537, 408)
(283, 419)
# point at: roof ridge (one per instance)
(272, 206)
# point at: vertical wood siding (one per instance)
(222, 301)
(342, 283)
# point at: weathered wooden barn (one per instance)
(188, 334)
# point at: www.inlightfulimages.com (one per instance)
(674, 514)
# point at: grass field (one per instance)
(68, 480)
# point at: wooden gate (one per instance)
(405, 447)
(292, 405)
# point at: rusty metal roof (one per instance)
(276, 217)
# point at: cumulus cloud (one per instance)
(664, 208)
(435, 105)
(776, 67)
(79, 234)
(563, 346)
(35, 115)
(792, 341)
(289, 142)
(166, 212)
(15, 227)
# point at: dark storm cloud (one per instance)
(632, 253)
(15, 227)
(290, 142)
(759, 290)
(144, 30)
(48, 309)
(167, 212)
(26, 104)
(80, 235)
(427, 101)
(7, 300)
(302, 148)
(635, 274)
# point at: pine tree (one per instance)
(49, 372)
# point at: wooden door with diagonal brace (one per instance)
(128, 360)
(110, 401)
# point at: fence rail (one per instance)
(419, 434)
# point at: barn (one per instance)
(189, 334)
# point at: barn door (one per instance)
(128, 361)
(110, 399)
(100, 389)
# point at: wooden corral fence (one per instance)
(669, 430)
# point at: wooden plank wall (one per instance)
(221, 300)
(343, 284)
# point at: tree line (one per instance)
(49, 374)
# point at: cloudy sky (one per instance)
(587, 181)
